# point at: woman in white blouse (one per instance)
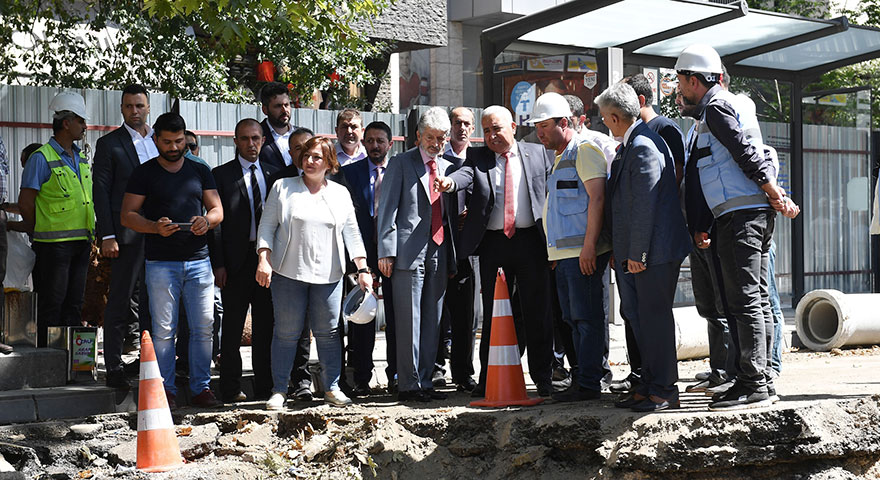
(307, 224)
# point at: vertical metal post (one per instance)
(487, 51)
(797, 191)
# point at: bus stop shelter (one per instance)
(752, 43)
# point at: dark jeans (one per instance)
(563, 345)
(776, 311)
(63, 267)
(581, 298)
(743, 238)
(712, 305)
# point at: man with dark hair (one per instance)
(242, 185)
(117, 154)
(276, 127)
(363, 179)
(192, 142)
(56, 204)
(579, 122)
(349, 132)
(173, 192)
(663, 126)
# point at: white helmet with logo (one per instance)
(69, 102)
(359, 307)
(549, 105)
(701, 59)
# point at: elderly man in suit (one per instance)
(116, 156)
(503, 227)
(649, 241)
(242, 185)
(415, 224)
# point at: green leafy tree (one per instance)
(187, 48)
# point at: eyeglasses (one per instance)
(192, 146)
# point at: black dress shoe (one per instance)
(545, 389)
(577, 394)
(116, 379)
(413, 396)
(628, 400)
(466, 385)
(236, 398)
(303, 394)
(655, 404)
(435, 395)
(479, 391)
(360, 391)
(392, 386)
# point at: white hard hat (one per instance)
(549, 105)
(359, 307)
(69, 102)
(701, 59)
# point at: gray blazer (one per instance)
(478, 173)
(404, 217)
(642, 205)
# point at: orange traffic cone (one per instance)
(505, 384)
(157, 448)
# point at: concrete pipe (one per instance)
(827, 319)
(691, 334)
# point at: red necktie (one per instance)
(509, 214)
(436, 211)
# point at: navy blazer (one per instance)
(476, 176)
(643, 206)
(357, 179)
(270, 154)
(115, 158)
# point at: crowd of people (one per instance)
(276, 229)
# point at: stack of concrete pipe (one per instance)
(691, 334)
(827, 319)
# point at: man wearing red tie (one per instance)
(503, 229)
(414, 230)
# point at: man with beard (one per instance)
(173, 192)
(56, 204)
(117, 154)
(349, 132)
(276, 127)
(364, 179)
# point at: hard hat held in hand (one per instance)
(359, 307)
(701, 59)
(549, 105)
(70, 102)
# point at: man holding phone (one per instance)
(172, 192)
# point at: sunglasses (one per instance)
(192, 146)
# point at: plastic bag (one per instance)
(19, 263)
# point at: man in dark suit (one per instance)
(502, 227)
(242, 184)
(364, 180)
(276, 126)
(415, 224)
(650, 240)
(116, 156)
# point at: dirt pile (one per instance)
(829, 439)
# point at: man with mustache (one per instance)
(117, 154)
(349, 132)
(173, 192)
(276, 126)
(56, 205)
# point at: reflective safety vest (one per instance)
(64, 207)
(567, 202)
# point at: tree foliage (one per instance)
(186, 47)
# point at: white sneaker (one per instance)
(276, 402)
(336, 398)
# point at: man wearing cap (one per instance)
(572, 221)
(56, 204)
(740, 188)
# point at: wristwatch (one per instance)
(207, 222)
(364, 270)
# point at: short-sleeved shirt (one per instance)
(177, 196)
(590, 164)
(37, 173)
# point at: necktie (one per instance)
(258, 196)
(436, 211)
(509, 214)
(380, 172)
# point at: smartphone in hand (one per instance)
(184, 226)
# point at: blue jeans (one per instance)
(299, 305)
(581, 299)
(776, 311)
(191, 283)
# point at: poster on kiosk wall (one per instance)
(572, 75)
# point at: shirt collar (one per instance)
(276, 135)
(58, 148)
(135, 135)
(425, 157)
(373, 166)
(630, 130)
(451, 151)
(514, 151)
(246, 165)
(361, 152)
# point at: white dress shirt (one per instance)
(450, 151)
(261, 181)
(522, 206)
(629, 131)
(143, 145)
(282, 141)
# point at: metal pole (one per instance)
(797, 192)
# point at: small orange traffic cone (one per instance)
(157, 448)
(505, 385)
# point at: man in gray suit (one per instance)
(414, 225)
(649, 241)
(503, 227)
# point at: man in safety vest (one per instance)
(56, 204)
